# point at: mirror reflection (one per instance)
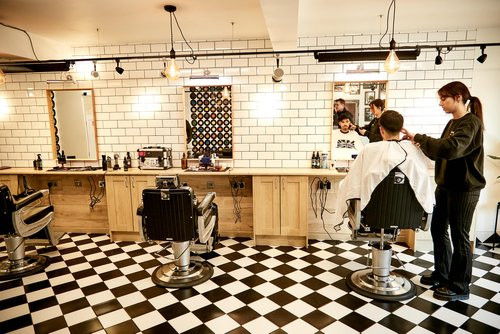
(357, 96)
(209, 121)
(72, 118)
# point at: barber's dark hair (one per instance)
(379, 103)
(391, 121)
(456, 88)
(340, 100)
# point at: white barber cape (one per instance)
(374, 163)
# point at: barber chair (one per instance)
(392, 207)
(173, 214)
(23, 217)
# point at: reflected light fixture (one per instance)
(94, 73)
(118, 68)
(2, 77)
(392, 62)
(439, 59)
(225, 93)
(483, 55)
(172, 71)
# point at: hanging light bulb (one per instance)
(2, 77)
(392, 62)
(172, 71)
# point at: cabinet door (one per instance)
(11, 182)
(266, 205)
(294, 205)
(139, 183)
(119, 203)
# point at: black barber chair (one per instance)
(172, 213)
(392, 206)
(22, 218)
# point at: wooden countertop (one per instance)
(175, 171)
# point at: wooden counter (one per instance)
(115, 213)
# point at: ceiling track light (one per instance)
(278, 72)
(439, 59)
(483, 55)
(94, 73)
(118, 68)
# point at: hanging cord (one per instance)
(184, 38)
(314, 200)
(94, 199)
(237, 196)
(393, 2)
(29, 37)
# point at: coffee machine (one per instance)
(155, 157)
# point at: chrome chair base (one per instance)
(171, 276)
(30, 264)
(389, 288)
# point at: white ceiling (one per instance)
(74, 22)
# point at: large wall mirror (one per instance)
(72, 123)
(209, 121)
(357, 96)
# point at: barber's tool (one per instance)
(155, 157)
(116, 166)
(61, 159)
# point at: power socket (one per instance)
(102, 184)
(241, 184)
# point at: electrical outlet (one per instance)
(51, 184)
(241, 185)
(210, 185)
(102, 184)
(78, 183)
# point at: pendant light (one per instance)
(392, 62)
(172, 71)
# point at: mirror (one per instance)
(209, 121)
(357, 96)
(72, 123)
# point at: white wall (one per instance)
(271, 128)
(485, 85)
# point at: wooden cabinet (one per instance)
(11, 182)
(124, 195)
(280, 210)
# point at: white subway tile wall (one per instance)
(274, 125)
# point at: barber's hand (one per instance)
(407, 134)
(362, 131)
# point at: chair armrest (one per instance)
(426, 222)
(354, 213)
(206, 203)
(30, 199)
(140, 210)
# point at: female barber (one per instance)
(372, 130)
(458, 156)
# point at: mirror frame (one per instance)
(51, 106)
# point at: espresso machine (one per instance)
(154, 157)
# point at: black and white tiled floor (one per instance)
(94, 285)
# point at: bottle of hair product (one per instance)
(318, 160)
(125, 164)
(39, 164)
(129, 160)
(313, 161)
(184, 162)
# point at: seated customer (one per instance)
(376, 160)
(345, 142)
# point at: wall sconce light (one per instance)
(483, 55)
(439, 59)
(118, 68)
(2, 77)
(94, 73)
(172, 71)
(392, 62)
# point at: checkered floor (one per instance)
(94, 285)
